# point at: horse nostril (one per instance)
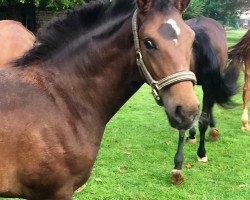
(182, 114)
(178, 111)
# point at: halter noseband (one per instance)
(157, 85)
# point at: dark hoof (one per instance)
(177, 177)
(213, 134)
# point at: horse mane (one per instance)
(66, 28)
(239, 51)
(70, 25)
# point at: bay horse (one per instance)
(15, 39)
(219, 82)
(57, 99)
(239, 54)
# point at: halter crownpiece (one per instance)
(157, 85)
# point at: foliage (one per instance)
(62, 3)
(196, 8)
(221, 10)
(57, 4)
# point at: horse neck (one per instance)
(107, 77)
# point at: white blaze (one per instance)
(174, 26)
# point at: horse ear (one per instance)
(144, 5)
(181, 5)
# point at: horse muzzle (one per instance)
(182, 119)
(181, 105)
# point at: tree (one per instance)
(196, 8)
(221, 10)
(56, 4)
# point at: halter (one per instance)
(157, 85)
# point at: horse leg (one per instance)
(191, 138)
(177, 176)
(214, 132)
(246, 96)
(203, 125)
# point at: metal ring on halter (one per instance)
(138, 56)
(157, 85)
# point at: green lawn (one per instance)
(137, 152)
(232, 36)
(136, 156)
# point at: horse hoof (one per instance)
(245, 127)
(177, 177)
(203, 159)
(214, 134)
(191, 141)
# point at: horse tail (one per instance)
(235, 57)
(219, 83)
(238, 52)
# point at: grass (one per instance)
(137, 152)
(138, 147)
(232, 36)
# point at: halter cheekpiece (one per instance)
(157, 85)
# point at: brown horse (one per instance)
(239, 55)
(15, 39)
(219, 82)
(58, 98)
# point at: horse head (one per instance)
(163, 47)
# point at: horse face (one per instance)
(166, 45)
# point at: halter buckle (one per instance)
(157, 97)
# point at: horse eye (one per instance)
(149, 44)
